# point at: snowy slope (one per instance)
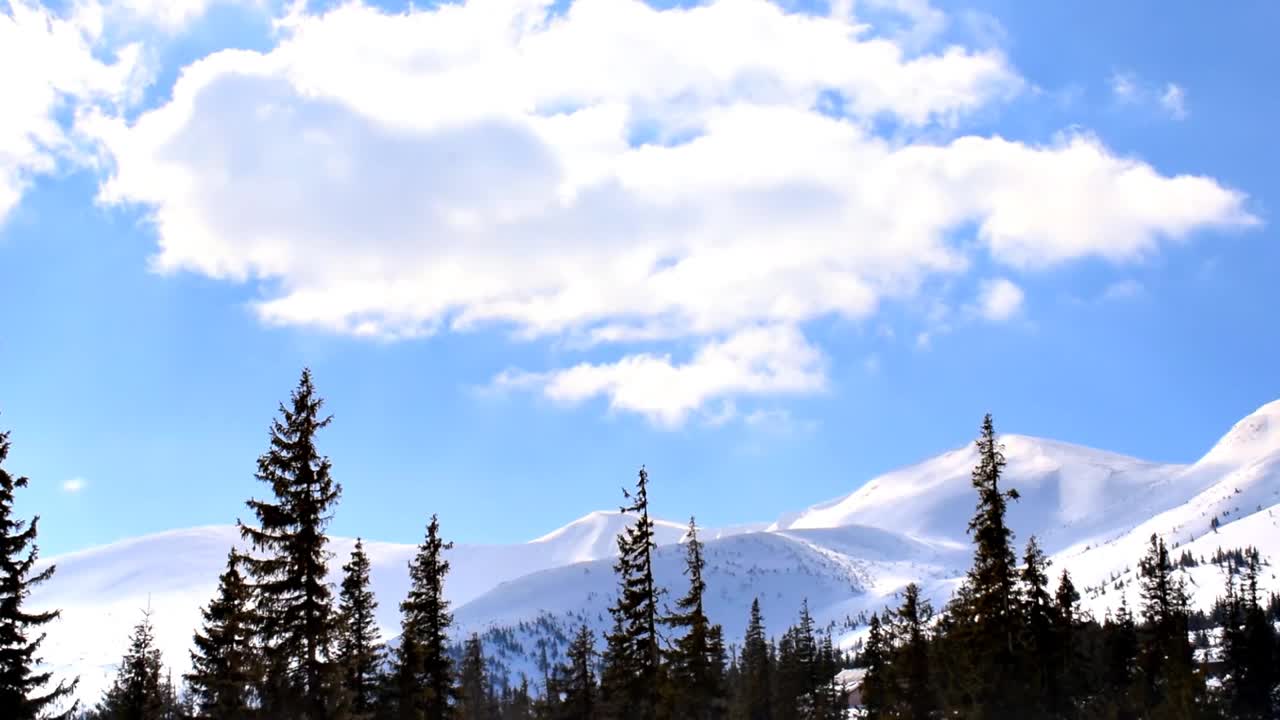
(1070, 494)
(841, 572)
(1092, 510)
(1240, 476)
(103, 591)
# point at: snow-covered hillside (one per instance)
(103, 591)
(1092, 510)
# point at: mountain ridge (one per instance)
(1091, 509)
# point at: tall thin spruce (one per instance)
(631, 678)
(696, 662)
(985, 675)
(423, 677)
(753, 700)
(24, 691)
(358, 648)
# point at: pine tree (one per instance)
(913, 672)
(22, 683)
(789, 679)
(358, 650)
(139, 690)
(1172, 688)
(696, 663)
(296, 619)
(578, 682)
(1040, 651)
(754, 699)
(222, 677)
(1248, 649)
(519, 705)
(424, 676)
(474, 700)
(1068, 665)
(828, 699)
(878, 684)
(632, 662)
(1120, 676)
(986, 617)
(797, 679)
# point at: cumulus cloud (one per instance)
(1122, 290)
(1129, 89)
(49, 67)
(1000, 299)
(1174, 100)
(74, 485)
(1124, 86)
(619, 174)
(756, 361)
(778, 421)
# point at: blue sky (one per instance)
(525, 249)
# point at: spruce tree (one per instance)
(788, 679)
(1037, 641)
(358, 649)
(1248, 649)
(222, 663)
(1120, 694)
(828, 700)
(474, 699)
(912, 669)
(139, 691)
(1069, 665)
(578, 684)
(1172, 686)
(290, 566)
(878, 684)
(986, 609)
(519, 705)
(24, 691)
(754, 700)
(631, 678)
(797, 678)
(424, 674)
(696, 663)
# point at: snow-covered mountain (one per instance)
(103, 591)
(1093, 511)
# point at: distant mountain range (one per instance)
(1092, 511)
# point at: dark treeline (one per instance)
(1012, 643)
(277, 642)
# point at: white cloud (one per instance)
(391, 175)
(727, 412)
(158, 20)
(1174, 100)
(49, 66)
(756, 361)
(924, 22)
(1000, 299)
(74, 485)
(169, 15)
(778, 421)
(1124, 86)
(1122, 290)
(1129, 89)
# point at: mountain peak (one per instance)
(1256, 436)
(594, 535)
